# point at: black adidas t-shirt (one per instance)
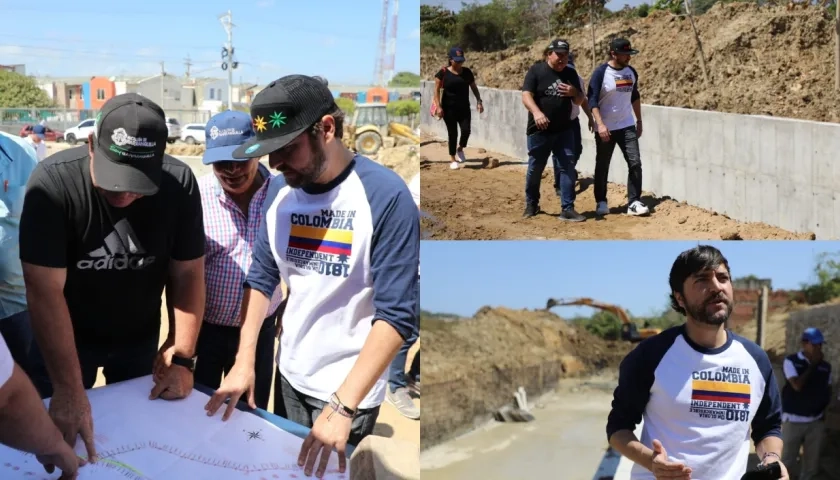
(544, 82)
(117, 259)
(456, 88)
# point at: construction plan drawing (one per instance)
(141, 439)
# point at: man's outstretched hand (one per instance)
(662, 468)
(240, 380)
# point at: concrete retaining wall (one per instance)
(779, 171)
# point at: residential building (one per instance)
(21, 69)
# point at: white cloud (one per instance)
(415, 34)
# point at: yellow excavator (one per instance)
(369, 129)
(629, 331)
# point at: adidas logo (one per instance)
(121, 251)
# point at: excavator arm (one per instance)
(629, 331)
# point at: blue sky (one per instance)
(460, 277)
(336, 39)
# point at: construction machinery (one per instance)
(369, 129)
(629, 331)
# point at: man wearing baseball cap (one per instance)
(549, 92)
(104, 227)
(36, 139)
(616, 105)
(343, 233)
(805, 396)
(232, 200)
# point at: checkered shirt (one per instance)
(230, 240)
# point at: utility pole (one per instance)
(188, 64)
(162, 74)
(592, 31)
(228, 61)
(763, 304)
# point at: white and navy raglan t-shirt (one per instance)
(612, 92)
(703, 404)
(348, 251)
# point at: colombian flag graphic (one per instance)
(720, 391)
(321, 240)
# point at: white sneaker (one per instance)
(637, 208)
(602, 209)
(454, 166)
(461, 156)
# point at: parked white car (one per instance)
(80, 132)
(193, 133)
(174, 128)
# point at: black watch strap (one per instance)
(184, 362)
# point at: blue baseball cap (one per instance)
(39, 130)
(813, 335)
(224, 133)
(456, 54)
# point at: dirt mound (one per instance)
(179, 149)
(501, 339)
(762, 60)
(403, 160)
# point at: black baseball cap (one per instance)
(622, 46)
(558, 45)
(283, 110)
(130, 142)
(456, 54)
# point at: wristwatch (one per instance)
(185, 362)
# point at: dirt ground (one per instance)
(762, 60)
(481, 203)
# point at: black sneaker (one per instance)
(571, 216)
(531, 210)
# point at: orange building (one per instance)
(101, 90)
(377, 95)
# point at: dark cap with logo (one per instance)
(456, 54)
(558, 45)
(283, 110)
(129, 146)
(622, 46)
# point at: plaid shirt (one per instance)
(230, 239)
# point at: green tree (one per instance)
(239, 108)
(403, 108)
(18, 91)
(826, 285)
(346, 105)
(405, 79)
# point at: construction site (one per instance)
(474, 366)
(705, 162)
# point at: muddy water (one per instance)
(566, 440)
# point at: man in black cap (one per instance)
(343, 232)
(549, 91)
(616, 105)
(104, 227)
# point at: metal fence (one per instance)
(12, 119)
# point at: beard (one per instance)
(699, 311)
(308, 175)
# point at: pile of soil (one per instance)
(181, 149)
(762, 60)
(404, 160)
(501, 338)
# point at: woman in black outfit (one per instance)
(452, 101)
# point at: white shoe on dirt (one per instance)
(602, 209)
(403, 402)
(637, 208)
(461, 156)
(454, 166)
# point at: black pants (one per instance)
(120, 362)
(455, 117)
(628, 142)
(216, 350)
(303, 410)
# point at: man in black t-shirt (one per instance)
(548, 93)
(104, 227)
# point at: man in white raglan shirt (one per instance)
(616, 105)
(701, 390)
(25, 424)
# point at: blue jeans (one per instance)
(17, 332)
(396, 371)
(563, 150)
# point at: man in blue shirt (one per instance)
(805, 396)
(17, 161)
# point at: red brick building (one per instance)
(747, 292)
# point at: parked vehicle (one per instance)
(193, 133)
(174, 128)
(80, 132)
(50, 135)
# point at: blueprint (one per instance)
(141, 439)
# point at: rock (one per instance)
(380, 458)
(481, 150)
(730, 234)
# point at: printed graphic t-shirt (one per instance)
(117, 259)
(456, 88)
(612, 92)
(544, 84)
(699, 402)
(349, 252)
